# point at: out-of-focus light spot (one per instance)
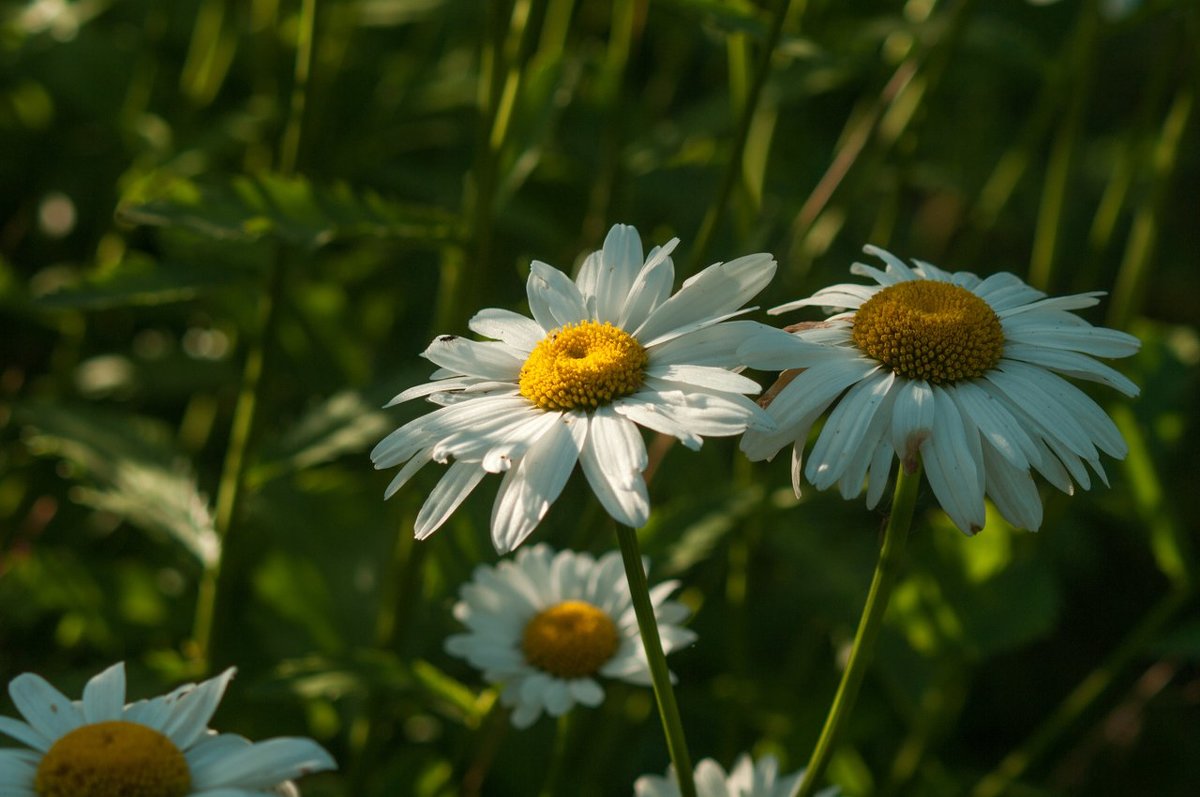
(56, 215)
(918, 10)
(151, 344)
(897, 46)
(205, 344)
(104, 375)
(32, 104)
(170, 582)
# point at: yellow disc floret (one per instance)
(113, 759)
(583, 365)
(571, 639)
(924, 329)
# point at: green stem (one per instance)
(886, 569)
(216, 579)
(664, 694)
(733, 169)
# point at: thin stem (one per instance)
(895, 537)
(733, 169)
(664, 694)
(217, 577)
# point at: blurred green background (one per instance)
(228, 228)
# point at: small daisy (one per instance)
(101, 747)
(603, 354)
(965, 371)
(545, 625)
(747, 779)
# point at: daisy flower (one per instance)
(746, 779)
(101, 747)
(604, 353)
(967, 372)
(546, 626)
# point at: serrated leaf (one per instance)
(130, 469)
(345, 423)
(290, 209)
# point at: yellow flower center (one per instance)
(113, 759)
(570, 640)
(582, 365)
(924, 329)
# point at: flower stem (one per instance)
(664, 694)
(218, 577)
(886, 569)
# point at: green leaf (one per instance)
(290, 209)
(139, 281)
(130, 469)
(346, 423)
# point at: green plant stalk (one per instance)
(733, 169)
(215, 578)
(664, 694)
(1058, 170)
(891, 554)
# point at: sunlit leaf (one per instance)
(290, 209)
(129, 468)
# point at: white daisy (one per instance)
(746, 779)
(101, 747)
(547, 625)
(603, 354)
(965, 371)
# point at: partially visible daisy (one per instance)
(965, 371)
(603, 354)
(747, 779)
(547, 626)
(101, 747)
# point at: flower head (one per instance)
(966, 372)
(101, 747)
(546, 626)
(603, 354)
(747, 779)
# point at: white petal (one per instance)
(997, 425)
(912, 419)
(845, 295)
(1069, 333)
(486, 359)
(18, 771)
(613, 460)
(620, 263)
(264, 765)
(529, 489)
(104, 695)
(844, 431)
(45, 708)
(1012, 490)
(651, 288)
(24, 733)
(704, 376)
(453, 488)
(716, 345)
(553, 298)
(1004, 290)
(586, 691)
(194, 708)
(427, 388)
(954, 476)
(895, 266)
(1071, 363)
(715, 292)
(516, 330)
(1076, 301)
